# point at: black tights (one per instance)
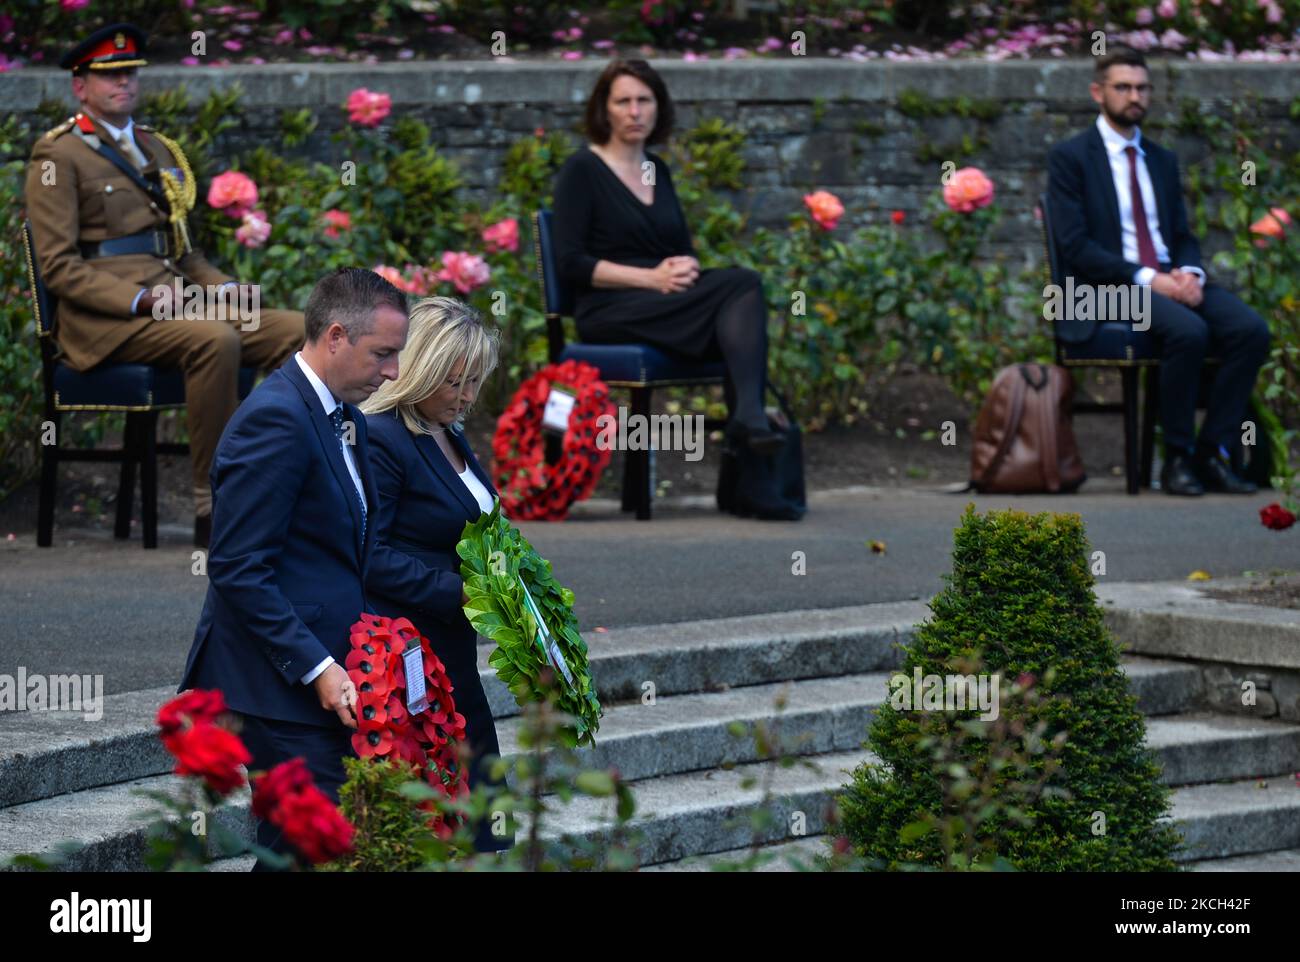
(742, 335)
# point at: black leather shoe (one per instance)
(202, 530)
(1215, 475)
(1177, 477)
(766, 441)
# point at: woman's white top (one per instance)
(476, 488)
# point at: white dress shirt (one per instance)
(1115, 151)
(475, 486)
(328, 403)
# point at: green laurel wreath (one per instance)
(498, 564)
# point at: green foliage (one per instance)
(529, 169)
(296, 126)
(392, 833)
(414, 189)
(1244, 175)
(845, 309)
(918, 105)
(392, 809)
(1020, 599)
(20, 362)
(705, 159)
(499, 565)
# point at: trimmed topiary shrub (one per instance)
(1019, 601)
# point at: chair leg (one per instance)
(126, 479)
(1129, 376)
(629, 480)
(48, 485)
(149, 477)
(636, 465)
(1150, 405)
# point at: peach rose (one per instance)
(825, 208)
(394, 277)
(1272, 224)
(967, 190)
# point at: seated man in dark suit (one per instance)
(292, 489)
(1105, 238)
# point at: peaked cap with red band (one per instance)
(117, 46)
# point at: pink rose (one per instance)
(255, 229)
(465, 271)
(1168, 9)
(967, 190)
(424, 280)
(368, 109)
(824, 208)
(502, 236)
(70, 5)
(233, 192)
(337, 221)
(1144, 16)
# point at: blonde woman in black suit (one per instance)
(429, 484)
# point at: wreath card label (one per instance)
(559, 406)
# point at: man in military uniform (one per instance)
(107, 199)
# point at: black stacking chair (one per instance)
(638, 367)
(140, 390)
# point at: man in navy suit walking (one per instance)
(292, 491)
(1116, 201)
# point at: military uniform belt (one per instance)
(156, 242)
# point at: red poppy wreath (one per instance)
(531, 489)
(427, 741)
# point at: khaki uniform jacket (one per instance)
(81, 196)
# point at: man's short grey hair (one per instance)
(349, 297)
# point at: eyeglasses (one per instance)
(1144, 90)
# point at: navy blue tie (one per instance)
(336, 418)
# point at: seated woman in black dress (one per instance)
(429, 484)
(621, 240)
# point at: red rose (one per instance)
(287, 778)
(210, 752)
(897, 216)
(193, 707)
(1276, 517)
(314, 826)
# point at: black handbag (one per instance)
(769, 487)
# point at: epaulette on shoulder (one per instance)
(62, 129)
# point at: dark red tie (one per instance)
(1146, 249)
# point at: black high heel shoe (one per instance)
(765, 442)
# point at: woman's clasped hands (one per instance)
(676, 274)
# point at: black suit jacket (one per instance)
(1083, 210)
(287, 564)
(422, 510)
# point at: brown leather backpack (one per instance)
(1024, 441)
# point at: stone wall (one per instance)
(809, 124)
